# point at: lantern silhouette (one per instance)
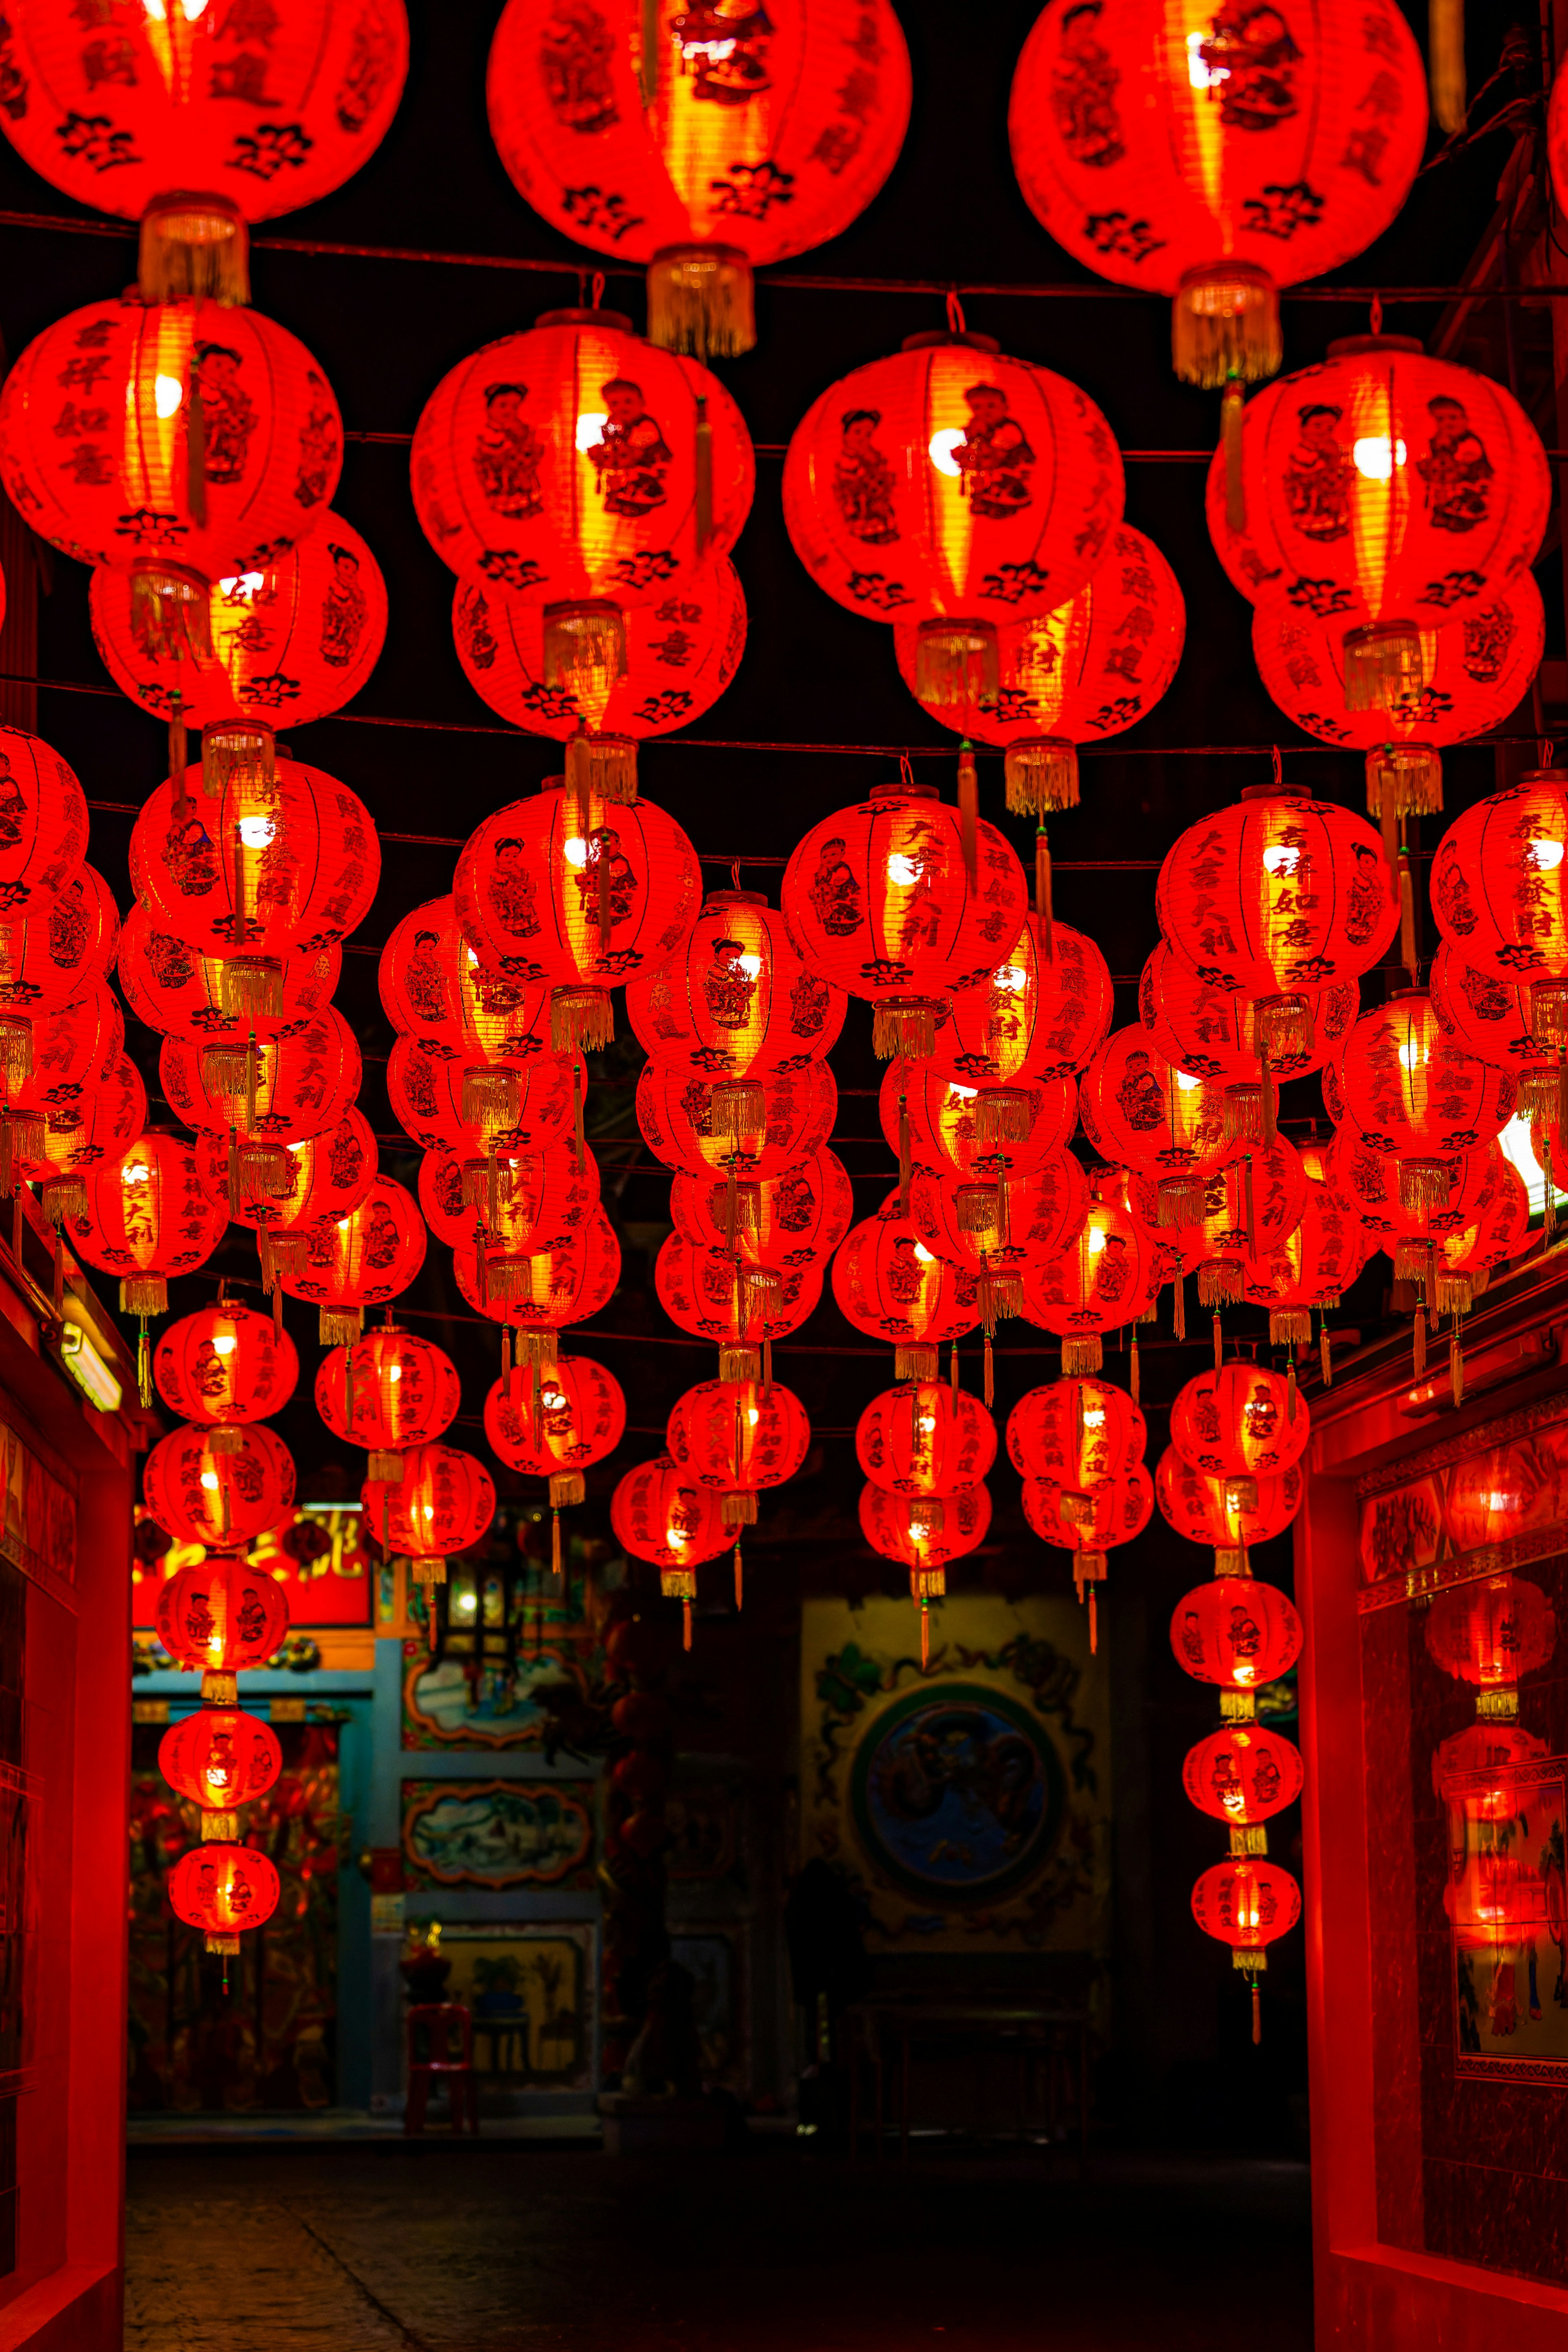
(1243, 1775)
(660, 1513)
(43, 813)
(1139, 1109)
(389, 1392)
(564, 1284)
(1210, 1033)
(579, 891)
(220, 1757)
(223, 1616)
(680, 654)
(361, 1259)
(1490, 1632)
(1218, 166)
(978, 1134)
(1240, 1423)
(148, 1216)
(744, 1308)
(222, 1889)
(890, 1285)
(52, 946)
(1086, 670)
(176, 989)
(925, 1532)
(1035, 1016)
(737, 1002)
(444, 1503)
(729, 144)
(223, 1367)
(795, 1219)
(878, 900)
(923, 1439)
(1311, 1266)
(1076, 1434)
(953, 489)
(752, 1129)
(1207, 1509)
(222, 1498)
(736, 1437)
(1237, 1633)
(1105, 1282)
(483, 1112)
(434, 987)
(1387, 493)
(1090, 1522)
(99, 454)
(1413, 1095)
(1246, 1905)
(1498, 896)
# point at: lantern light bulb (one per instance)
(1281, 858)
(1011, 978)
(922, 1256)
(1371, 456)
(243, 588)
(1096, 1240)
(1200, 75)
(751, 966)
(1094, 1416)
(256, 832)
(942, 447)
(224, 1343)
(167, 394)
(135, 1171)
(1187, 1084)
(209, 1481)
(576, 852)
(1546, 856)
(395, 1371)
(905, 871)
(591, 429)
(1415, 1054)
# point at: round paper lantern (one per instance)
(224, 1889)
(1489, 1633)
(1219, 163)
(581, 1420)
(579, 891)
(51, 945)
(1105, 1282)
(680, 654)
(74, 1049)
(434, 987)
(1243, 1774)
(1240, 1423)
(389, 1392)
(1387, 493)
(148, 1216)
(326, 1176)
(736, 1437)
(544, 1207)
(42, 816)
(1086, 670)
(1209, 1033)
(954, 489)
(878, 898)
(1236, 1632)
(220, 1757)
(1490, 1019)
(923, 1438)
(925, 1531)
(1136, 1107)
(224, 1366)
(752, 1128)
(482, 1111)
(1038, 1016)
(660, 1513)
(222, 1498)
(1248, 1904)
(290, 641)
(565, 1285)
(1001, 1131)
(223, 1616)
(889, 1285)
(361, 1259)
(795, 1219)
(986, 1223)
(78, 1136)
(1251, 1204)
(1090, 1522)
(1311, 1266)
(1473, 675)
(1210, 1510)
(737, 1002)
(173, 988)
(1498, 895)
(444, 1503)
(740, 137)
(271, 1091)
(257, 876)
(1076, 1434)
(744, 1309)
(96, 447)
(1465, 1261)
(1414, 1096)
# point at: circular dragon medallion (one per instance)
(958, 1794)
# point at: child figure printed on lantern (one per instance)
(834, 892)
(864, 480)
(631, 456)
(576, 51)
(906, 1276)
(511, 891)
(229, 413)
(1139, 1097)
(1455, 468)
(1318, 476)
(724, 51)
(424, 980)
(729, 990)
(1083, 91)
(508, 454)
(994, 456)
(620, 884)
(344, 610)
(1251, 59)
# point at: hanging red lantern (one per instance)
(444, 1503)
(545, 1206)
(389, 1392)
(181, 442)
(953, 489)
(1090, 1522)
(1365, 479)
(43, 815)
(271, 1092)
(730, 139)
(148, 1216)
(1086, 670)
(75, 1050)
(795, 1219)
(284, 643)
(1139, 1109)
(889, 1285)
(994, 1131)
(1473, 675)
(1488, 1634)
(223, 1497)
(576, 1416)
(1252, 1203)
(1500, 1903)
(680, 654)
(1247, 1904)
(1038, 1015)
(752, 1129)
(327, 1176)
(483, 1112)
(1237, 1633)
(1243, 1775)
(564, 1284)
(52, 1142)
(434, 987)
(660, 1513)
(362, 1258)
(1210, 1033)
(223, 1367)
(1412, 1095)
(1106, 1282)
(1466, 1261)
(1311, 1266)
(176, 990)
(1498, 894)
(737, 1002)
(925, 1438)
(223, 1616)
(1076, 1434)
(579, 891)
(1240, 1423)
(1370, 1182)
(880, 899)
(52, 946)
(1489, 1019)
(1219, 164)
(744, 1308)
(220, 1757)
(925, 1532)
(222, 1889)
(986, 1223)
(1207, 1509)
(736, 1437)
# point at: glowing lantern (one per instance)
(543, 1209)
(222, 1889)
(1488, 1632)
(327, 1176)
(1499, 1902)
(660, 1513)
(1243, 1775)
(565, 1285)
(434, 987)
(1251, 1204)
(223, 1497)
(738, 1002)
(994, 1132)
(1088, 669)
(176, 989)
(267, 1093)
(1138, 1108)
(925, 1531)
(994, 1229)
(1414, 1096)
(1465, 1261)
(1490, 1019)
(1246, 1905)
(55, 1149)
(731, 137)
(1240, 1423)
(744, 1309)
(483, 1112)
(753, 1130)
(888, 1284)
(51, 945)
(1311, 1266)
(579, 891)
(923, 1438)
(223, 1367)
(42, 817)
(881, 900)
(736, 1437)
(1237, 1633)
(1369, 1180)
(361, 1259)
(1218, 162)
(1208, 1510)
(953, 489)
(147, 1216)
(1210, 1034)
(1106, 1281)
(1090, 1522)
(1076, 1434)
(220, 1757)
(1037, 1015)
(444, 1503)
(1498, 895)
(75, 1050)
(794, 1219)
(224, 1617)
(577, 1419)
(389, 1392)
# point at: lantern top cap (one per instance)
(615, 319)
(932, 335)
(734, 898)
(1349, 347)
(1280, 792)
(1554, 776)
(910, 791)
(552, 784)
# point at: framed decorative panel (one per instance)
(498, 1833)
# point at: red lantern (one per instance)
(443, 1504)
(740, 138)
(579, 891)
(923, 1439)
(51, 946)
(743, 1308)
(290, 641)
(1217, 164)
(581, 1420)
(990, 1225)
(74, 1051)
(925, 1531)
(1076, 1434)
(1236, 1632)
(225, 1366)
(97, 450)
(1106, 1282)
(756, 1129)
(222, 1889)
(1208, 1510)
(736, 1437)
(659, 1513)
(1499, 1902)
(176, 989)
(1243, 1775)
(220, 1757)
(434, 987)
(225, 1499)
(53, 1145)
(565, 1285)
(1387, 493)
(271, 1091)
(482, 1111)
(223, 1616)
(1473, 675)
(1038, 1015)
(1490, 1019)
(1240, 1423)
(680, 654)
(952, 486)
(1490, 1632)
(42, 816)
(1090, 1522)
(1247, 1904)
(1136, 1107)
(1465, 1261)
(1412, 1095)
(1086, 670)
(361, 1259)
(544, 1207)
(889, 1285)
(1370, 1182)
(1210, 1033)
(737, 1002)
(795, 1219)
(879, 898)
(1498, 894)
(327, 1176)
(1312, 1266)
(991, 1133)
(148, 1216)
(1251, 1205)
(389, 1392)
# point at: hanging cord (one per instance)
(1376, 319)
(955, 320)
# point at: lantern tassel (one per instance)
(1232, 402)
(700, 299)
(554, 1543)
(1325, 1356)
(925, 1633)
(1446, 61)
(968, 808)
(990, 1382)
(144, 1364)
(1291, 1391)
(1406, 916)
(1456, 1368)
(740, 1585)
(1133, 1366)
(952, 1375)
(1257, 2016)
(1093, 1624)
(703, 491)
(1042, 892)
(686, 1624)
(195, 450)
(1219, 1343)
(277, 1310)
(1179, 1311)
(1251, 1210)
(1419, 1346)
(904, 1168)
(577, 1136)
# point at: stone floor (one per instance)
(511, 2248)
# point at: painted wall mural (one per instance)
(497, 1832)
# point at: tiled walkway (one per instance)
(509, 2249)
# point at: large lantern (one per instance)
(660, 1513)
(1238, 1634)
(880, 899)
(564, 1284)
(271, 1092)
(716, 140)
(889, 1285)
(795, 1219)
(545, 1208)
(994, 1229)
(51, 945)
(434, 987)
(923, 1438)
(1210, 1033)
(1078, 1434)
(1466, 1261)
(223, 1367)
(1042, 1012)
(444, 1503)
(978, 1133)
(925, 1531)
(578, 1418)
(1089, 1522)
(225, 1498)
(1413, 1095)
(1138, 1108)
(223, 1888)
(1211, 1510)
(1246, 1904)
(743, 1308)
(1243, 1775)
(42, 816)
(1241, 1424)
(1498, 893)
(223, 1616)
(389, 1392)
(1215, 156)
(487, 1110)
(362, 1259)
(1251, 1204)
(953, 487)
(1086, 670)
(327, 1176)
(176, 989)
(752, 1128)
(738, 1002)
(75, 1050)
(1106, 1282)
(1490, 1632)
(736, 1437)
(148, 1216)
(1311, 1266)
(220, 1757)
